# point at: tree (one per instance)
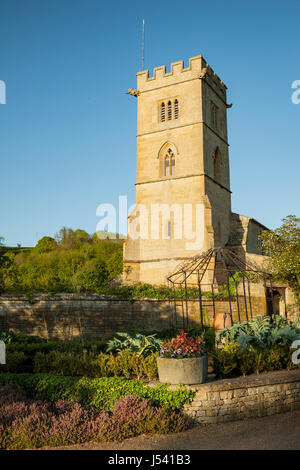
(1, 241)
(45, 244)
(282, 245)
(69, 239)
(73, 262)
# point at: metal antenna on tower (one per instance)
(143, 45)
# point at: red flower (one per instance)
(182, 346)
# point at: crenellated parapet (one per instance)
(198, 69)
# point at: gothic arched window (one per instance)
(168, 110)
(214, 116)
(169, 163)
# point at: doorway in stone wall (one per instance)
(273, 301)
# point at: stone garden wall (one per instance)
(245, 397)
(66, 316)
(294, 312)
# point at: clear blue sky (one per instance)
(68, 128)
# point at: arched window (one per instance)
(169, 163)
(173, 164)
(217, 166)
(214, 116)
(169, 110)
(163, 112)
(176, 109)
(167, 166)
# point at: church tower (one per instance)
(182, 170)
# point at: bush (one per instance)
(15, 362)
(234, 360)
(74, 262)
(166, 334)
(261, 332)
(255, 346)
(26, 424)
(183, 346)
(138, 343)
(126, 364)
(21, 350)
(96, 393)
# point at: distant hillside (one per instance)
(14, 249)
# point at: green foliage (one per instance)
(233, 282)
(45, 244)
(260, 332)
(82, 357)
(125, 364)
(29, 346)
(74, 262)
(15, 362)
(138, 343)
(207, 334)
(235, 360)
(255, 346)
(283, 247)
(30, 424)
(150, 291)
(7, 337)
(166, 334)
(96, 393)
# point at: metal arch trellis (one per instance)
(214, 274)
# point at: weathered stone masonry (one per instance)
(245, 397)
(66, 316)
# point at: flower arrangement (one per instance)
(183, 347)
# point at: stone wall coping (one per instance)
(84, 297)
(251, 381)
(74, 296)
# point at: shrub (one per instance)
(7, 337)
(260, 332)
(15, 362)
(126, 364)
(26, 424)
(182, 346)
(166, 334)
(21, 350)
(96, 393)
(74, 262)
(138, 343)
(234, 360)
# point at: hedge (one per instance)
(125, 364)
(96, 393)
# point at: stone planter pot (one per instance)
(186, 371)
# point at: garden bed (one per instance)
(26, 423)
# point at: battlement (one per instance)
(198, 68)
